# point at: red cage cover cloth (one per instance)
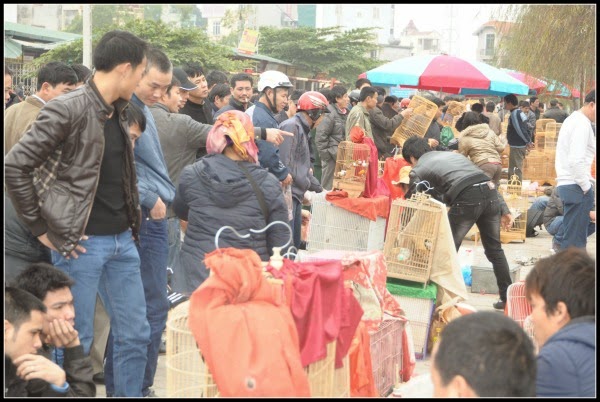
(247, 337)
(391, 171)
(370, 208)
(322, 309)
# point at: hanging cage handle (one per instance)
(245, 236)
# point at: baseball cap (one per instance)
(403, 176)
(181, 75)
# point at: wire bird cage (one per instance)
(417, 124)
(334, 228)
(551, 137)
(412, 233)
(351, 168)
(187, 373)
(386, 355)
(518, 204)
(518, 308)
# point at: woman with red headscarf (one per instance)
(227, 187)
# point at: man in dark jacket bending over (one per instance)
(472, 198)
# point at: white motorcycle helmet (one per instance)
(273, 79)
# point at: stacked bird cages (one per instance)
(351, 168)
(417, 124)
(518, 204)
(334, 228)
(412, 233)
(386, 355)
(187, 373)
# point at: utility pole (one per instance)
(87, 35)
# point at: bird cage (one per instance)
(187, 373)
(321, 374)
(412, 233)
(341, 379)
(540, 132)
(552, 130)
(351, 168)
(550, 168)
(417, 124)
(535, 167)
(518, 204)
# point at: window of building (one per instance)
(217, 28)
(427, 44)
(489, 44)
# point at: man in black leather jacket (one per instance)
(472, 198)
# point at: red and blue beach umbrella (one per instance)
(447, 74)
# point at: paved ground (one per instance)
(420, 385)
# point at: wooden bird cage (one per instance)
(411, 237)
(417, 124)
(535, 167)
(321, 374)
(550, 168)
(187, 373)
(540, 132)
(351, 168)
(517, 201)
(551, 136)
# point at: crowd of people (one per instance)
(115, 177)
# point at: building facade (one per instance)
(489, 36)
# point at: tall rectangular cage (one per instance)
(535, 167)
(540, 132)
(551, 137)
(417, 124)
(351, 168)
(413, 227)
(517, 201)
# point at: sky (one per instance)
(427, 17)
(467, 18)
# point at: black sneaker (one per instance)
(499, 305)
(175, 298)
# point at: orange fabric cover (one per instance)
(247, 336)
(391, 171)
(361, 366)
(370, 208)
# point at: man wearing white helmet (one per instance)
(273, 87)
(295, 153)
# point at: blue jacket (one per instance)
(150, 165)
(517, 121)
(263, 117)
(566, 364)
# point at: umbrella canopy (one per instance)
(562, 90)
(447, 74)
(534, 84)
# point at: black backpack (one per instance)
(535, 217)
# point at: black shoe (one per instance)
(499, 305)
(98, 378)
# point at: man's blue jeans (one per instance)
(111, 267)
(576, 216)
(480, 205)
(174, 229)
(153, 252)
